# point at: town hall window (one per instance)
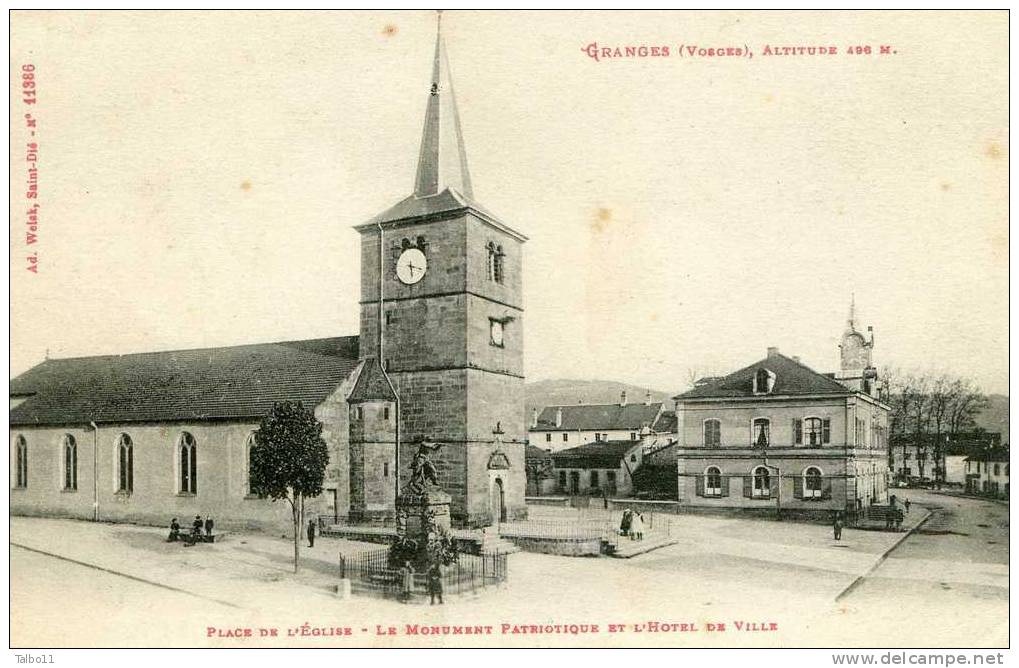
(764, 381)
(188, 464)
(125, 464)
(812, 483)
(712, 433)
(760, 432)
(812, 431)
(70, 452)
(761, 482)
(21, 463)
(713, 481)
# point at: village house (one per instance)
(779, 436)
(987, 473)
(561, 427)
(614, 468)
(914, 456)
(439, 357)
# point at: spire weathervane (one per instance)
(442, 162)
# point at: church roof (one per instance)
(201, 384)
(597, 417)
(791, 378)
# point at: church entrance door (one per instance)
(498, 501)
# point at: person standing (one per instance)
(837, 526)
(407, 576)
(907, 506)
(209, 525)
(624, 525)
(311, 533)
(637, 526)
(435, 582)
(174, 531)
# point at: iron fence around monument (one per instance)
(370, 573)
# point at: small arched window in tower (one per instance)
(125, 464)
(491, 261)
(500, 268)
(188, 472)
(20, 463)
(70, 455)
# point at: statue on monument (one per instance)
(422, 470)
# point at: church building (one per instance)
(439, 357)
(778, 436)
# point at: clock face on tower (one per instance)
(411, 266)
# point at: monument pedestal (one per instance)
(422, 529)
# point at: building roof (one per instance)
(990, 455)
(200, 384)
(533, 452)
(791, 378)
(371, 385)
(667, 423)
(598, 417)
(600, 454)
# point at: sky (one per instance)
(201, 173)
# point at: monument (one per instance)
(423, 535)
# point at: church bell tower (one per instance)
(856, 369)
(441, 322)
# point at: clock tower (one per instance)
(442, 326)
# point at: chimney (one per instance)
(622, 398)
(772, 351)
(647, 398)
(534, 418)
(796, 358)
(559, 417)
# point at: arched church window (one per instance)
(70, 456)
(491, 261)
(125, 464)
(20, 463)
(188, 471)
(247, 463)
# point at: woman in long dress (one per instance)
(637, 526)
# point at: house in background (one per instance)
(618, 468)
(987, 473)
(779, 435)
(562, 427)
(914, 456)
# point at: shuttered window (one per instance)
(712, 433)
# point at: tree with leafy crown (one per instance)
(288, 461)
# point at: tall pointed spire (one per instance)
(442, 162)
(851, 322)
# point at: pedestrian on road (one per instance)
(209, 525)
(898, 520)
(311, 533)
(407, 576)
(624, 526)
(637, 526)
(435, 582)
(837, 526)
(907, 506)
(174, 531)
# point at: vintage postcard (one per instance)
(509, 329)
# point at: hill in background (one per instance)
(564, 392)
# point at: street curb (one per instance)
(855, 583)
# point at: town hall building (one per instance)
(777, 436)
(439, 357)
